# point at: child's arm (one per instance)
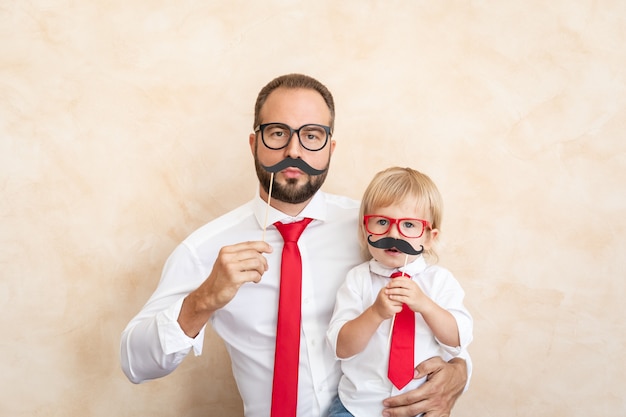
(356, 333)
(441, 321)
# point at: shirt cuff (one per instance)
(172, 337)
(453, 351)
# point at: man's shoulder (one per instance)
(341, 201)
(226, 222)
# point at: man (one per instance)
(228, 273)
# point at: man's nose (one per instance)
(293, 148)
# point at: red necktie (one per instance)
(401, 366)
(287, 356)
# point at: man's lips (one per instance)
(292, 173)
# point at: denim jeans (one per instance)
(337, 409)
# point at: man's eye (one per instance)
(313, 133)
(277, 133)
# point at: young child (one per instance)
(401, 216)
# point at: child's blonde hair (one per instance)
(396, 183)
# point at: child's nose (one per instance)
(394, 231)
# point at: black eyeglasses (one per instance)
(312, 137)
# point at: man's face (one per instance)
(294, 107)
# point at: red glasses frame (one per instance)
(392, 221)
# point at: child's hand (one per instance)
(404, 290)
(384, 306)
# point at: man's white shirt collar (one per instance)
(316, 209)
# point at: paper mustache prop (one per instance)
(296, 163)
(288, 162)
(391, 243)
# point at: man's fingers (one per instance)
(436, 396)
(430, 365)
(254, 263)
(243, 262)
(251, 276)
(254, 245)
(404, 405)
(251, 269)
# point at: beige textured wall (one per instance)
(123, 127)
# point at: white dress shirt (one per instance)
(153, 344)
(364, 384)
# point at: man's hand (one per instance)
(235, 265)
(436, 397)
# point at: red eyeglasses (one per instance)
(380, 225)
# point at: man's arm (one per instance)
(143, 354)
(235, 265)
(157, 340)
(436, 397)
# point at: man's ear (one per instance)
(252, 140)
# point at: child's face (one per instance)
(402, 209)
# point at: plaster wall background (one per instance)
(124, 125)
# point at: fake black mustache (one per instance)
(390, 243)
(296, 163)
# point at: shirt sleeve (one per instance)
(446, 291)
(153, 344)
(348, 305)
(450, 296)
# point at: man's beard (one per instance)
(290, 192)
